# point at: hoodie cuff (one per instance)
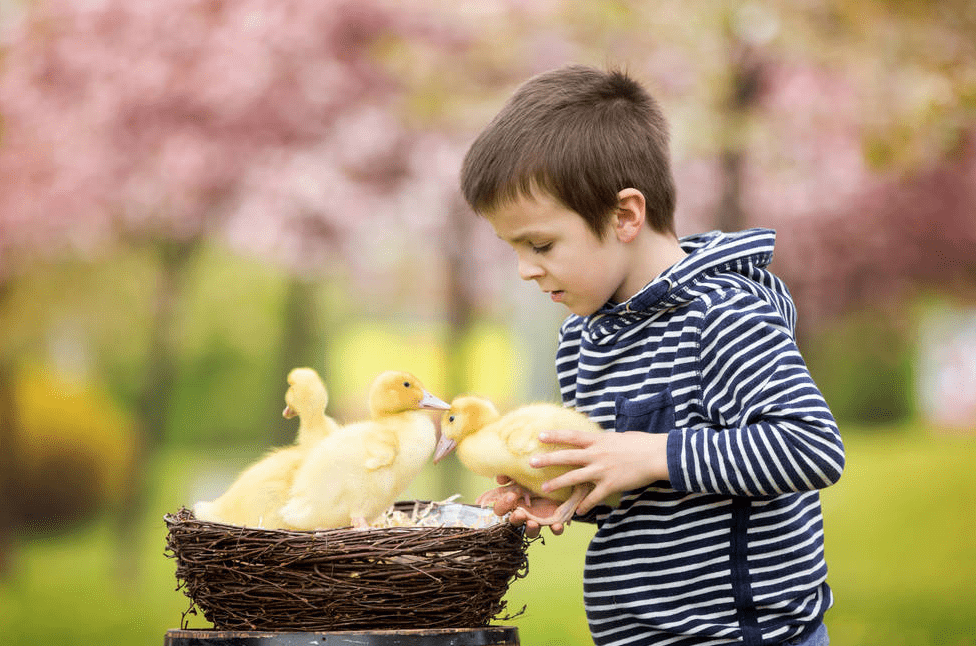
(675, 470)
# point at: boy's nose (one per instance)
(529, 270)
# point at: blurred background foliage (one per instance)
(196, 196)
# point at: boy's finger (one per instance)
(566, 436)
(518, 517)
(571, 478)
(505, 503)
(591, 500)
(565, 457)
(585, 505)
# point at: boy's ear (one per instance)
(630, 214)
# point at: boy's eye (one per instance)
(542, 248)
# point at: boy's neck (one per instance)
(652, 255)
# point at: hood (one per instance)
(747, 253)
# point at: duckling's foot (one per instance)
(564, 512)
(489, 498)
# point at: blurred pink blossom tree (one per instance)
(848, 127)
(161, 124)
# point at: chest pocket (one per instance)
(654, 414)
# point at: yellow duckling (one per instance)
(256, 497)
(355, 474)
(490, 445)
(307, 398)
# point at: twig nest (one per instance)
(423, 570)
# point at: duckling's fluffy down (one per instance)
(256, 497)
(352, 476)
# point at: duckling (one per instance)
(307, 398)
(490, 445)
(355, 474)
(256, 497)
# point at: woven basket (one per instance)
(245, 578)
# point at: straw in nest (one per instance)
(344, 579)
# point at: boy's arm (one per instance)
(771, 430)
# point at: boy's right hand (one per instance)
(508, 499)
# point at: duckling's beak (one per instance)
(431, 402)
(444, 446)
(289, 412)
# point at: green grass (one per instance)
(901, 541)
(552, 593)
(901, 545)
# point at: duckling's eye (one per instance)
(451, 418)
(406, 384)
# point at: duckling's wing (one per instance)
(382, 448)
(523, 425)
(521, 435)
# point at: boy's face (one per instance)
(557, 250)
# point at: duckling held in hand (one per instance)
(355, 474)
(256, 497)
(490, 445)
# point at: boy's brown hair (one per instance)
(581, 135)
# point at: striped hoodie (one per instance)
(731, 549)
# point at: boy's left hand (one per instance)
(507, 499)
(613, 462)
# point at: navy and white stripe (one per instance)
(731, 549)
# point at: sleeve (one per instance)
(769, 430)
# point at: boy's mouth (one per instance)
(556, 296)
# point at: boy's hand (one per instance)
(508, 499)
(613, 462)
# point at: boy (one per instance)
(686, 349)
